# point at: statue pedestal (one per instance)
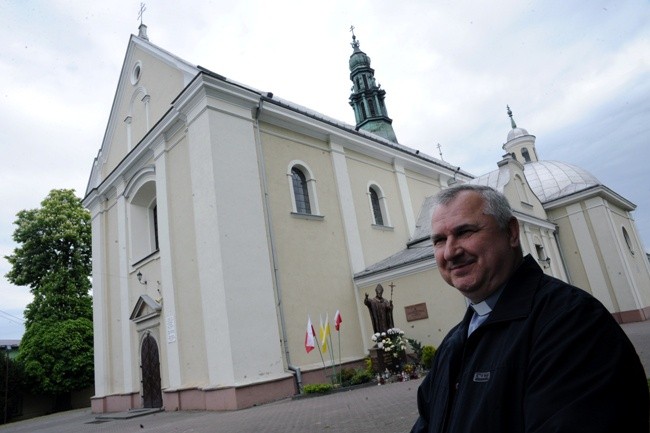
(385, 360)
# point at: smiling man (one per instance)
(532, 354)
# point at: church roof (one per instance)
(516, 133)
(419, 249)
(417, 252)
(551, 180)
(192, 71)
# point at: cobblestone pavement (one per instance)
(639, 334)
(375, 409)
(388, 408)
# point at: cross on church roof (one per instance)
(143, 7)
(355, 43)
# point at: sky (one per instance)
(575, 74)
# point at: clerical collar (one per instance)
(485, 306)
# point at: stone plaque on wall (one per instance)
(416, 312)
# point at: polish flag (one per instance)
(309, 336)
(337, 320)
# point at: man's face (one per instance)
(473, 254)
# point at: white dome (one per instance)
(516, 133)
(550, 180)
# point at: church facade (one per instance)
(223, 217)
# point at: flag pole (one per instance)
(338, 331)
(331, 350)
(319, 351)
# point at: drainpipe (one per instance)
(267, 211)
(559, 249)
(298, 375)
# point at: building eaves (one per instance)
(417, 253)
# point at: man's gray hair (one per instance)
(496, 204)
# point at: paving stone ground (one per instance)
(376, 409)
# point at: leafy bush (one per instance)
(346, 375)
(318, 388)
(361, 376)
(350, 376)
(427, 356)
(417, 347)
(369, 367)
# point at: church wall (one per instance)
(161, 83)
(445, 306)
(420, 187)
(522, 198)
(377, 242)
(610, 250)
(628, 278)
(189, 320)
(113, 312)
(569, 248)
(639, 268)
(314, 267)
(585, 271)
(530, 236)
(242, 337)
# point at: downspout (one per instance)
(559, 249)
(276, 276)
(298, 374)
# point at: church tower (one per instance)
(367, 98)
(520, 144)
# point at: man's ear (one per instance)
(513, 232)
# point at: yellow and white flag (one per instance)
(324, 332)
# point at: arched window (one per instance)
(628, 241)
(300, 191)
(155, 225)
(521, 189)
(371, 107)
(142, 215)
(525, 154)
(376, 208)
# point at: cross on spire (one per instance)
(355, 43)
(143, 7)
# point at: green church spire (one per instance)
(367, 98)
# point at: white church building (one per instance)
(224, 216)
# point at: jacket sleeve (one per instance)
(584, 374)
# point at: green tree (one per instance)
(58, 357)
(53, 258)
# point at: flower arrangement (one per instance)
(392, 341)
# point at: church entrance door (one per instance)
(150, 365)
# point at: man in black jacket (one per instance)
(532, 354)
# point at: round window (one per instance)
(136, 72)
